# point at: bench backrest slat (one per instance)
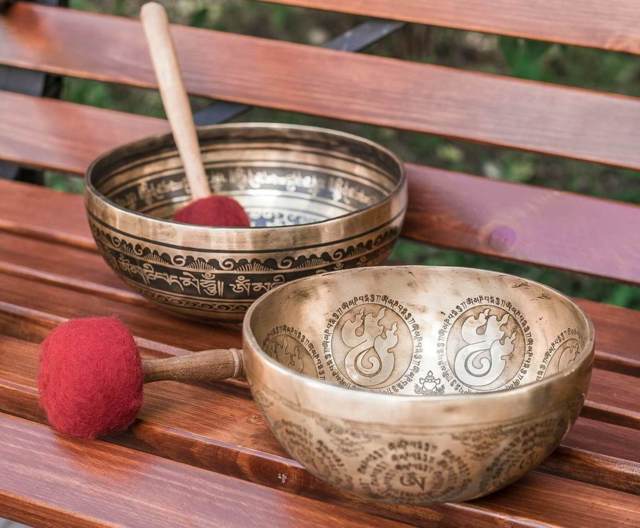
(607, 24)
(385, 92)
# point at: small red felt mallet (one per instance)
(205, 209)
(91, 375)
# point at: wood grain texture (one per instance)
(53, 134)
(220, 428)
(612, 25)
(116, 486)
(524, 223)
(386, 92)
(507, 220)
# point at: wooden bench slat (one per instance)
(612, 25)
(524, 223)
(470, 213)
(57, 135)
(385, 92)
(113, 485)
(216, 441)
(618, 325)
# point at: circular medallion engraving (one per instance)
(413, 471)
(292, 349)
(486, 347)
(566, 355)
(562, 352)
(313, 452)
(376, 345)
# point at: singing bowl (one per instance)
(319, 200)
(418, 384)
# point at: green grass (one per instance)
(612, 72)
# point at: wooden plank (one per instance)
(386, 92)
(618, 325)
(53, 134)
(524, 223)
(612, 25)
(116, 486)
(507, 220)
(229, 435)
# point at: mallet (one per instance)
(205, 209)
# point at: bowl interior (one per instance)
(421, 330)
(282, 175)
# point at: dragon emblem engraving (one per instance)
(485, 348)
(366, 346)
(483, 333)
(365, 334)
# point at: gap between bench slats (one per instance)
(221, 429)
(612, 25)
(469, 213)
(478, 107)
(111, 485)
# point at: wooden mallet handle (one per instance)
(174, 96)
(209, 365)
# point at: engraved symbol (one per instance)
(485, 349)
(285, 345)
(370, 359)
(483, 333)
(429, 384)
(411, 479)
(566, 354)
(414, 471)
(373, 345)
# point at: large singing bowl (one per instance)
(319, 200)
(418, 384)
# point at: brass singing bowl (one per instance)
(319, 200)
(418, 384)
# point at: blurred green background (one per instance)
(612, 72)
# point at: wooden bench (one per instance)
(201, 456)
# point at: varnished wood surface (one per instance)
(514, 221)
(218, 428)
(203, 455)
(612, 25)
(355, 87)
(221, 429)
(234, 443)
(524, 223)
(53, 134)
(81, 484)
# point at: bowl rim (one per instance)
(90, 188)
(587, 351)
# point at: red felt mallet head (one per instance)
(90, 378)
(91, 375)
(214, 211)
